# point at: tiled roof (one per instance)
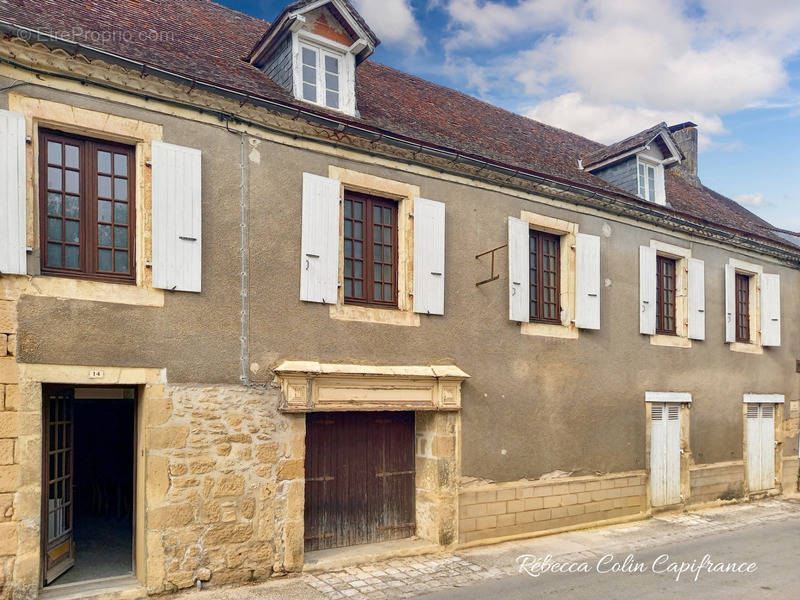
(637, 140)
(203, 40)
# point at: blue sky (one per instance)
(609, 68)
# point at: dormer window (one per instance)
(651, 180)
(312, 50)
(320, 76)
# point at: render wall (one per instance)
(533, 404)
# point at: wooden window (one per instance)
(321, 73)
(666, 269)
(742, 308)
(86, 205)
(545, 277)
(370, 250)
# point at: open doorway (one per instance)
(88, 506)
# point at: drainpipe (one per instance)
(243, 337)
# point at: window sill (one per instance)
(370, 314)
(746, 348)
(670, 341)
(93, 291)
(567, 332)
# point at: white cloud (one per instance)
(750, 199)
(604, 122)
(610, 68)
(393, 22)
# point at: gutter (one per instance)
(615, 204)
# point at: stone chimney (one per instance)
(685, 136)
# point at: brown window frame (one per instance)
(88, 212)
(536, 270)
(369, 202)
(666, 295)
(742, 301)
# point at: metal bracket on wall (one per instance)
(492, 276)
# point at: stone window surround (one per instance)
(567, 232)
(432, 392)
(404, 194)
(141, 134)
(755, 272)
(681, 257)
(685, 401)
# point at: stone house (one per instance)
(262, 298)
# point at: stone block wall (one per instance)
(498, 510)
(9, 442)
(224, 486)
(791, 467)
(718, 481)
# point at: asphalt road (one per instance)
(774, 547)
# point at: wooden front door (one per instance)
(359, 478)
(59, 551)
(760, 447)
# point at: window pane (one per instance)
(332, 99)
(358, 289)
(54, 229)
(376, 251)
(331, 64)
(103, 162)
(53, 255)
(121, 213)
(387, 273)
(651, 183)
(104, 235)
(348, 268)
(358, 230)
(104, 260)
(376, 291)
(309, 92)
(348, 228)
(348, 208)
(104, 186)
(376, 231)
(387, 216)
(358, 247)
(121, 165)
(121, 189)
(387, 291)
(121, 237)
(71, 156)
(377, 275)
(54, 153)
(310, 75)
(358, 271)
(357, 210)
(53, 204)
(53, 178)
(348, 288)
(332, 82)
(73, 207)
(387, 254)
(121, 261)
(72, 257)
(104, 211)
(309, 57)
(71, 182)
(72, 231)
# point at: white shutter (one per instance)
(177, 218)
(587, 284)
(730, 303)
(428, 256)
(770, 310)
(697, 299)
(658, 459)
(767, 446)
(754, 447)
(518, 270)
(673, 454)
(647, 290)
(319, 258)
(13, 214)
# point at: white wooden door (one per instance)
(665, 453)
(760, 447)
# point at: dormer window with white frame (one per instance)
(323, 77)
(651, 180)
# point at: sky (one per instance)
(607, 69)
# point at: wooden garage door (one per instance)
(359, 478)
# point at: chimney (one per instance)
(685, 136)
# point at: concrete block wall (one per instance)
(500, 510)
(719, 481)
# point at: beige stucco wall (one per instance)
(538, 413)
